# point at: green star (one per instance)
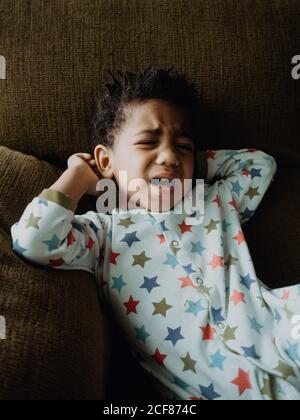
(189, 363)
(285, 370)
(212, 225)
(126, 222)
(230, 261)
(252, 192)
(140, 259)
(32, 221)
(229, 333)
(289, 314)
(161, 307)
(266, 390)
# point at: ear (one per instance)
(103, 158)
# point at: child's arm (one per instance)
(49, 233)
(245, 174)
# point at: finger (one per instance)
(86, 156)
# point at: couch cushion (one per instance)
(237, 52)
(57, 340)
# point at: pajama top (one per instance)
(186, 297)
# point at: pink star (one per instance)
(217, 261)
(240, 237)
(237, 297)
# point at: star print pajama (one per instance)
(185, 296)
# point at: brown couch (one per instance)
(60, 343)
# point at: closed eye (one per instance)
(185, 146)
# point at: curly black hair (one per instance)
(128, 88)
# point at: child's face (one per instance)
(171, 150)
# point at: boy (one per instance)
(186, 296)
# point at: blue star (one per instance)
(255, 325)
(179, 382)
(150, 283)
(209, 392)
(247, 281)
(43, 202)
(277, 316)
(163, 226)
(17, 247)
(77, 226)
(52, 243)
(94, 227)
(171, 260)
(195, 307)
(174, 335)
(197, 247)
(255, 172)
(250, 352)
(236, 187)
(118, 283)
(225, 225)
(216, 314)
(188, 269)
(247, 214)
(217, 360)
(129, 238)
(141, 334)
(293, 353)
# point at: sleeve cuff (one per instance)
(60, 198)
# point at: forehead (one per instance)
(153, 114)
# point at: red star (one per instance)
(90, 244)
(161, 237)
(113, 257)
(196, 398)
(217, 200)
(251, 150)
(240, 237)
(237, 297)
(159, 357)
(217, 261)
(210, 154)
(131, 305)
(208, 332)
(233, 203)
(186, 281)
(286, 295)
(185, 228)
(57, 262)
(71, 238)
(242, 381)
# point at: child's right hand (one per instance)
(86, 162)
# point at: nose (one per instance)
(167, 156)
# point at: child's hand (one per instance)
(88, 164)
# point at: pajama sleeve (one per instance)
(244, 174)
(50, 234)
